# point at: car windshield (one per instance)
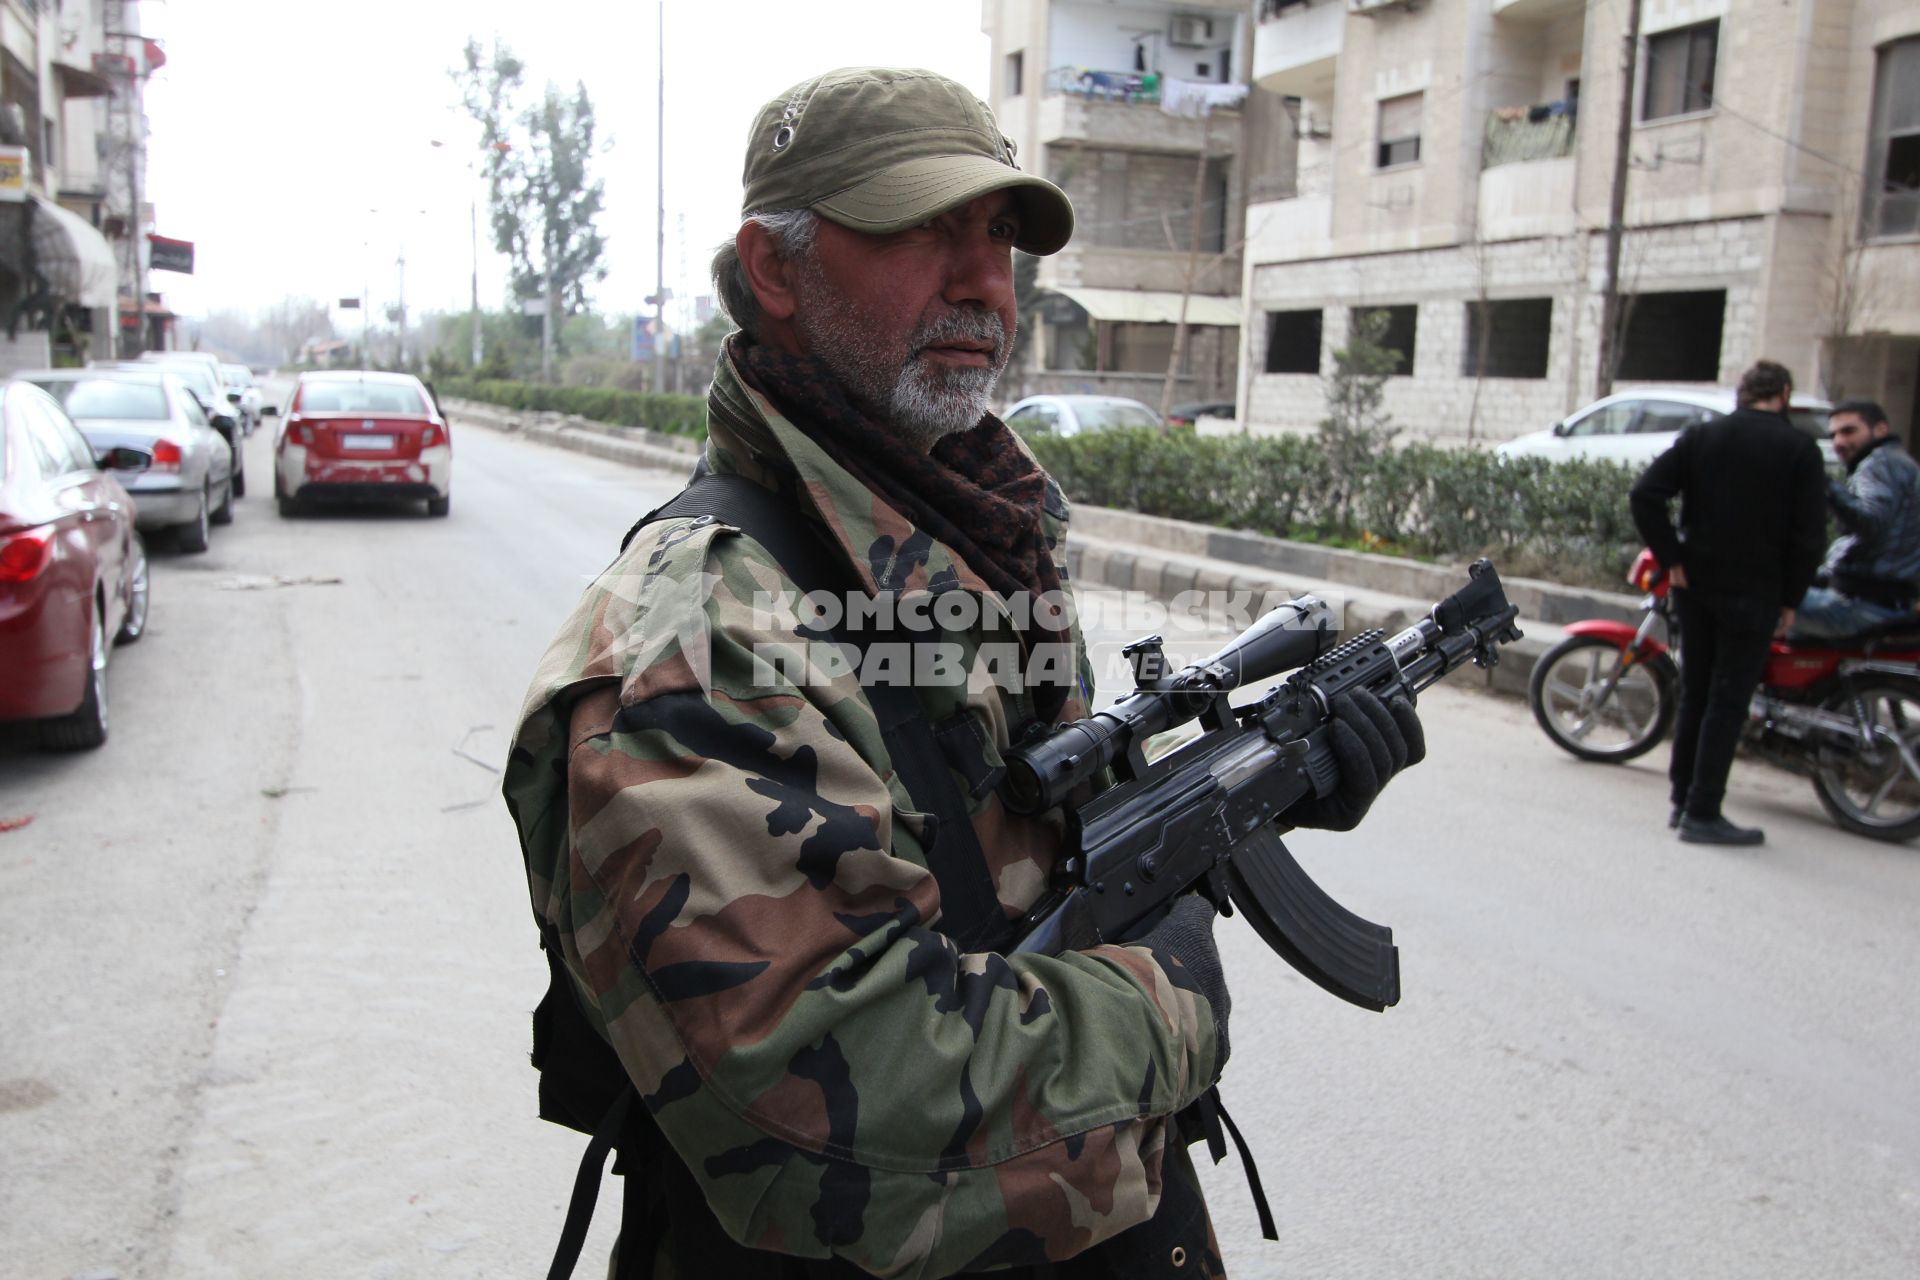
(107, 398)
(360, 397)
(236, 377)
(1107, 416)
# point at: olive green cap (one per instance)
(881, 149)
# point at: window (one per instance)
(1516, 332)
(1658, 417)
(1403, 324)
(109, 398)
(1035, 419)
(1613, 420)
(1141, 348)
(1399, 130)
(1293, 341)
(1016, 65)
(1679, 74)
(1673, 337)
(1892, 200)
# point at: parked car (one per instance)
(202, 378)
(239, 380)
(1185, 415)
(358, 435)
(187, 483)
(73, 571)
(1635, 427)
(1072, 415)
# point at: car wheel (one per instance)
(223, 514)
(86, 727)
(288, 507)
(194, 535)
(439, 506)
(134, 625)
(239, 474)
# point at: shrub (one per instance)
(674, 415)
(1566, 520)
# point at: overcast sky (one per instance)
(279, 129)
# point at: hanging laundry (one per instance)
(1196, 98)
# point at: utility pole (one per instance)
(1193, 257)
(400, 309)
(546, 308)
(1617, 206)
(660, 214)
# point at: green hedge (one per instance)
(675, 415)
(1566, 521)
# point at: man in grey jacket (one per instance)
(1872, 571)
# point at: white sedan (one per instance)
(1072, 415)
(1635, 427)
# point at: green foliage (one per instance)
(1566, 521)
(1357, 427)
(674, 415)
(541, 201)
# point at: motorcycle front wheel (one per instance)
(1596, 704)
(1874, 790)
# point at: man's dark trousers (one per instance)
(1723, 652)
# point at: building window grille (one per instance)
(1510, 336)
(1679, 76)
(1403, 327)
(1399, 130)
(1293, 341)
(1672, 337)
(1892, 204)
(1016, 68)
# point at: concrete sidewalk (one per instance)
(1166, 558)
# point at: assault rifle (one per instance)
(1203, 817)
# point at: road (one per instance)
(270, 961)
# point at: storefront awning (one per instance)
(1149, 306)
(75, 260)
(78, 82)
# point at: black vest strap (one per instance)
(970, 902)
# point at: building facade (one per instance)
(1455, 167)
(1086, 91)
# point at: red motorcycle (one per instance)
(1845, 713)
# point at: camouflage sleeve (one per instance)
(742, 896)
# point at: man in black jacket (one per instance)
(1752, 492)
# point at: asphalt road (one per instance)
(269, 961)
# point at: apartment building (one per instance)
(60, 278)
(1084, 88)
(1455, 166)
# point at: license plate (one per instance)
(368, 442)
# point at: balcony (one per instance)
(1517, 135)
(1532, 11)
(1527, 199)
(1297, 44)
(1122, 109)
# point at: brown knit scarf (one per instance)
(978, 492)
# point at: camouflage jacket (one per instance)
(737, 880)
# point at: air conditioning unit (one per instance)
(1190, 33)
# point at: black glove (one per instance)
(1186, 934)
(1371, 741)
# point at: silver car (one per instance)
(239, 380)
(188, 484)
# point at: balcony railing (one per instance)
(1518, 134)
(1104, 86)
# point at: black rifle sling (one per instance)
(970, 905)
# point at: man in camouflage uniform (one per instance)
(735, 874)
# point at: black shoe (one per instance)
(1674, 815)
(1718, 831)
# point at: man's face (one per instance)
(916, 325)
(1851, 435)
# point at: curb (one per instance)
(1163, 557)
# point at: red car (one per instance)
(358, 436)
(73, 573)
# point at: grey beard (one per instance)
(924, 403)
